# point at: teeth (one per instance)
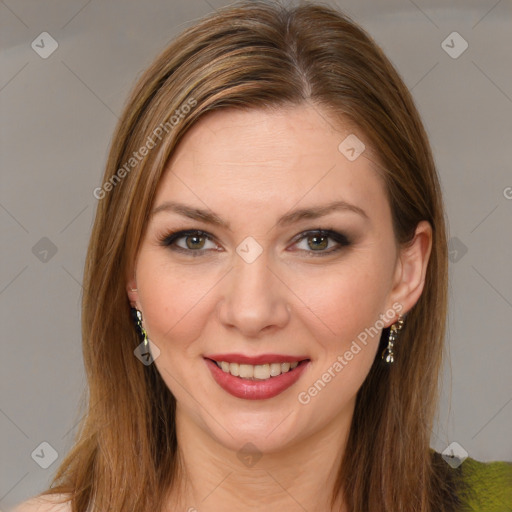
(246, 371)
(275, 369)
(256, 372)
(234, 369)
(262, 371)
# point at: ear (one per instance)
(411, 268)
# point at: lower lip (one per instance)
(255, 389)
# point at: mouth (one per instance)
(259, 371)
(268, 378)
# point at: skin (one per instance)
(250, 168)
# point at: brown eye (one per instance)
(322, 242)
(194, 241)
(191, 242)
(318, 242)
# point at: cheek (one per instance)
(347, 326)
(175, 300)
(343, 302)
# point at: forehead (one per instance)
(256, 158)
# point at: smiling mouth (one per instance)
(258, 371)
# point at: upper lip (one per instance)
(254, 360)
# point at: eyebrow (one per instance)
(289, 218)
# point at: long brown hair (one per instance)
(259, 54)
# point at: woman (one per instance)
(266, 285)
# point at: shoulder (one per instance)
(46, 503)
(488, 485)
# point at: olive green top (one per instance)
(489, 486)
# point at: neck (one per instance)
(299, 477)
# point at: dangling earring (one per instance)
(146, 352)
(142, 332)
(387, 355)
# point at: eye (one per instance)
(319, 241)
(194, 242)
(190, 242)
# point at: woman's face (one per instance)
(259, 285)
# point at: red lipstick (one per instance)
(254, 389)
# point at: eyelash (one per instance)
(170, 238)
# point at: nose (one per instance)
(254, 299)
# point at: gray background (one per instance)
(58, 115)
